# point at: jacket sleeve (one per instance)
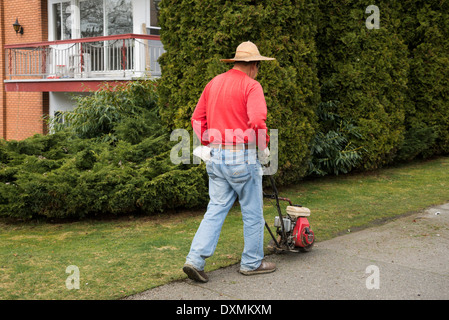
(199, 119)
(257, 115)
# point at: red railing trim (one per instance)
(81, 40)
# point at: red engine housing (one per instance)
(302, 233)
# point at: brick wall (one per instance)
(21, 112)
(2, 72)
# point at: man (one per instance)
(230, 117)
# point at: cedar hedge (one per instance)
(197, 33)
(366, 71)
(342, 97)
(427, 36)
(89, 167)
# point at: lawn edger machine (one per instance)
(293, 232)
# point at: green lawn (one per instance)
(123, 256)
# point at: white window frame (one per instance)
(149, 26)
(76, 20)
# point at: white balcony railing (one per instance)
(124, 56)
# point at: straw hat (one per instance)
(247, 51)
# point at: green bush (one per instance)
(99, 179)
(367, 72)
(429, 71)
(418, 140)
(342, 97)
(88, 168)
(197, 34)
(423, 25)
(126, 112)
(332, 148)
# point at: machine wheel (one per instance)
(305, 239)
(307, 248)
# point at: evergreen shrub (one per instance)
(119, 165)
(332, 149)
(196, 34)
(366, 70)
(428, 39)
(423, 25)
(341, 96)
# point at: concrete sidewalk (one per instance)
(407, 258)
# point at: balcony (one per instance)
(80, 64)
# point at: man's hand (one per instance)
(264, 155)
(202, 152)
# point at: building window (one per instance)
(59, 117)
(92, 22)
(119, 16)
(105, 17)
(96, 18)
(154, 17)
(62, 20)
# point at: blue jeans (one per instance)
(232, 174)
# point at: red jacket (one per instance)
(233, 110)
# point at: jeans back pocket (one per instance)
(238, 173)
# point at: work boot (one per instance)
(194, 274)
(265, 267)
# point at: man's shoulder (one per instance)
(231, 76)
(219, 77)
(239, 75)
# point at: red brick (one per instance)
(21, 112)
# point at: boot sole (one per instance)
(193, 274)
(254, 272)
